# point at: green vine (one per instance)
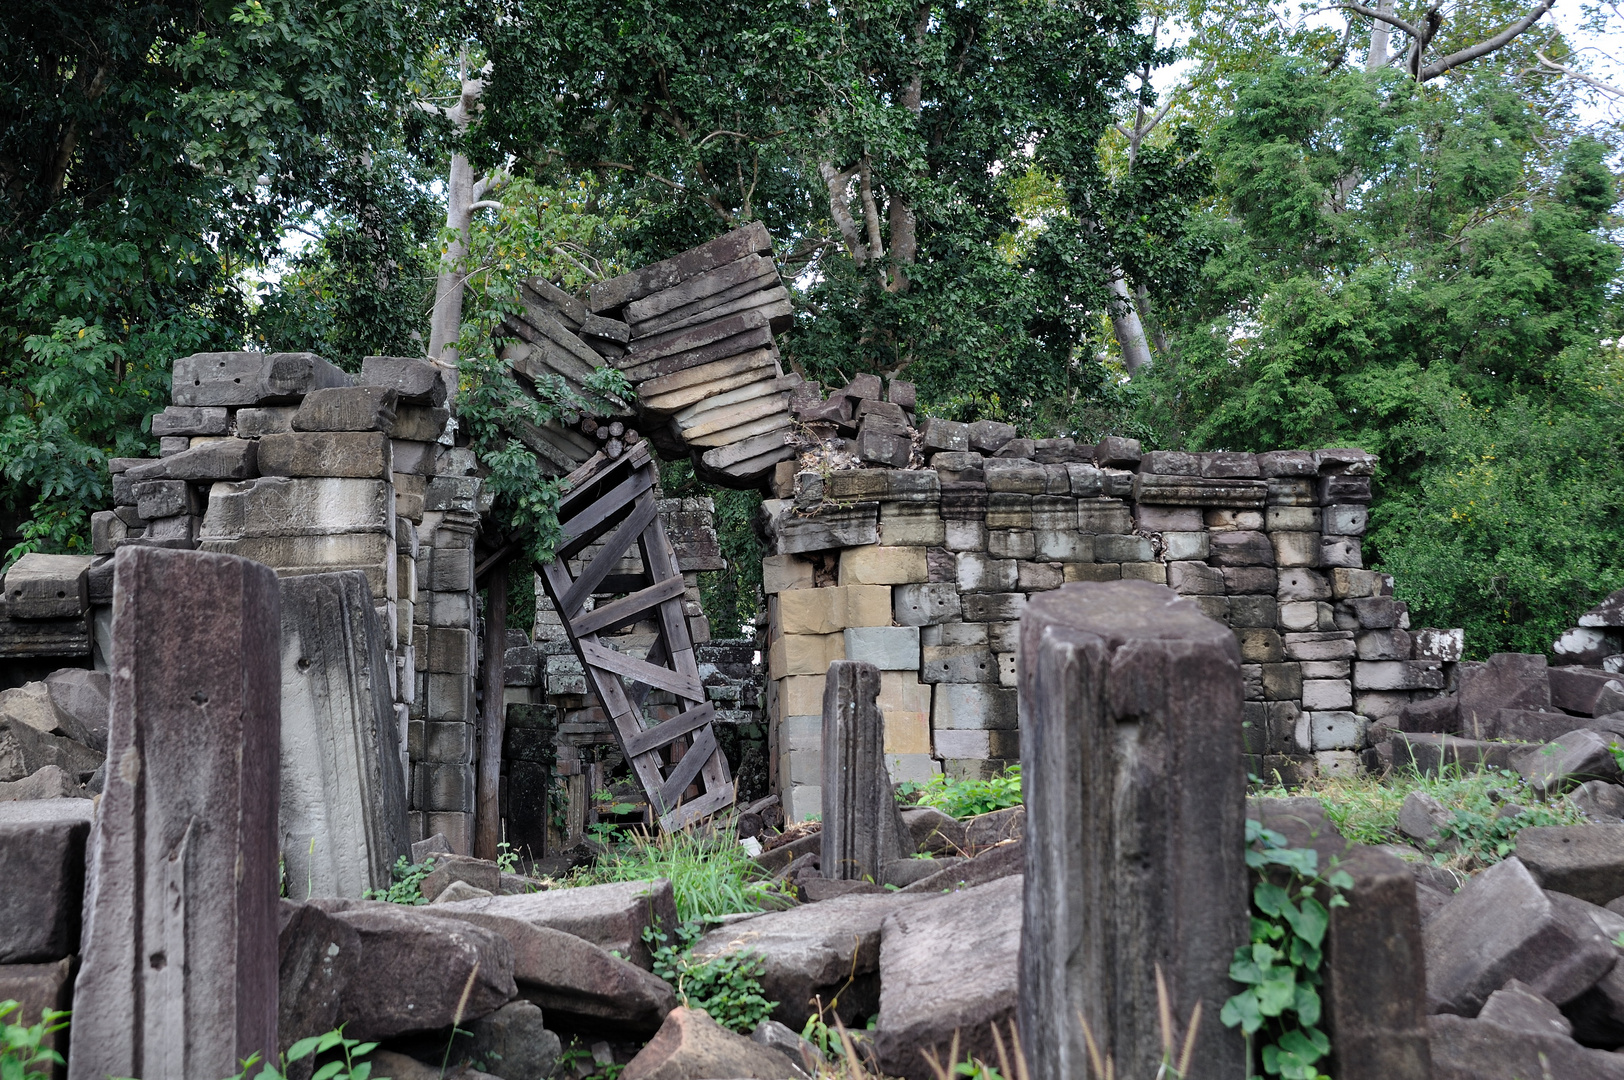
(407, 887)
(1279, 1008)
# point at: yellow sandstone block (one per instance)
(801, 695)
(907, 733)
(804, 654)
(874, 564)
(830, 610)
(902, 692)
(781, 573)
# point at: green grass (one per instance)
(1365, 808)
(710, 877)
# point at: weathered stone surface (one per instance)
(1431, 755)
(1504, 681)
(181, 908)
(1586, 861)
(317, 957)
(1602, 802)
(396, 1066)
(612, 916)
(584, 986)
(513, 1043)
(40, 586)
(862, 829)
(480, 874)
(223, 459)
(181, 420)
(309, 506)
(42, 874)
(1485, 1050)
(1568, 761)
(1096, 930)
(419, 972)
(1578, 689)
(364, 454)
(247, 378)
(343, 788)
(50, 782)
(816, 950)
(1004, 859)
(1375, 990)
(1240, 548)
(347, 408)
(692, 1046)
(1502, 926)
(415, 380)
(925, 999)
(35, 988)
(25, 750)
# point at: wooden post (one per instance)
(1135, 789)
(487, 808)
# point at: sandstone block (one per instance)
(877, 565)
(975, 706)
(309, 506)
(363, 454)
(804, 654)
(888, 648)
(249, 378)
(415, 380)
(828, 610)
(926, 604)
(40, 586)
(1398, 675)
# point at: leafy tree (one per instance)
(150, 154)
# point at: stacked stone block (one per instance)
(284, 459)
(926, 573)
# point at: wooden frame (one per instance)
(612, 501)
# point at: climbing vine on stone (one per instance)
(1280, 968)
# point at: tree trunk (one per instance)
(1380, 34)
(1130, 332)
(446, 321)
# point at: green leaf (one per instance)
(328, 1071)
(1308, 920)
(1270, 898)
(304, 1047)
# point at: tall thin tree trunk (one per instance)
(446, 321)
(1380, 34)
(1157, 335)
(1130, 332)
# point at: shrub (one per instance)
(710, 876)
(965, 798)
(727, 987)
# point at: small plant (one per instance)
(727, 987)
(965, 798)
(574, 1058)
(349, 1067)
(407, 887)
(507, 860)
(20, 1044)
(1281, 967)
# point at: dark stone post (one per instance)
(1135, 793)
(862, 827)
(180, 954)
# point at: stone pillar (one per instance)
(1135, 794)
(862, 827)
(343, 814)
(180, 956)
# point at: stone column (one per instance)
(180, 956)
(343, 813)
(1135, 796)
(862, 827)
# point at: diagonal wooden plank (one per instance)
(663, 734)
(686, 770)
(579, 530)
(627, 608)
(695, 809)
(656, 655)
(609, 557)
(642, 671)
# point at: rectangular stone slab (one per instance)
(1130, 711)
(179, 975)
(42, 876)
(251, 378)
(343, 812)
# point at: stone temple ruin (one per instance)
(274, 674)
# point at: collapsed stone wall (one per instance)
(925, 570)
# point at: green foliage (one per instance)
(965, 798)
(342, 1066)
(710, 877)
(727, 987)
(574, 1058)
(407, 886)
(731, 597)
(20, 1045)
(1280, 969)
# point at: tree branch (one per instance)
(1483, 48)
(840, 209)
(1383, 16)
(1563, 69)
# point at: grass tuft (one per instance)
(711, 876)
